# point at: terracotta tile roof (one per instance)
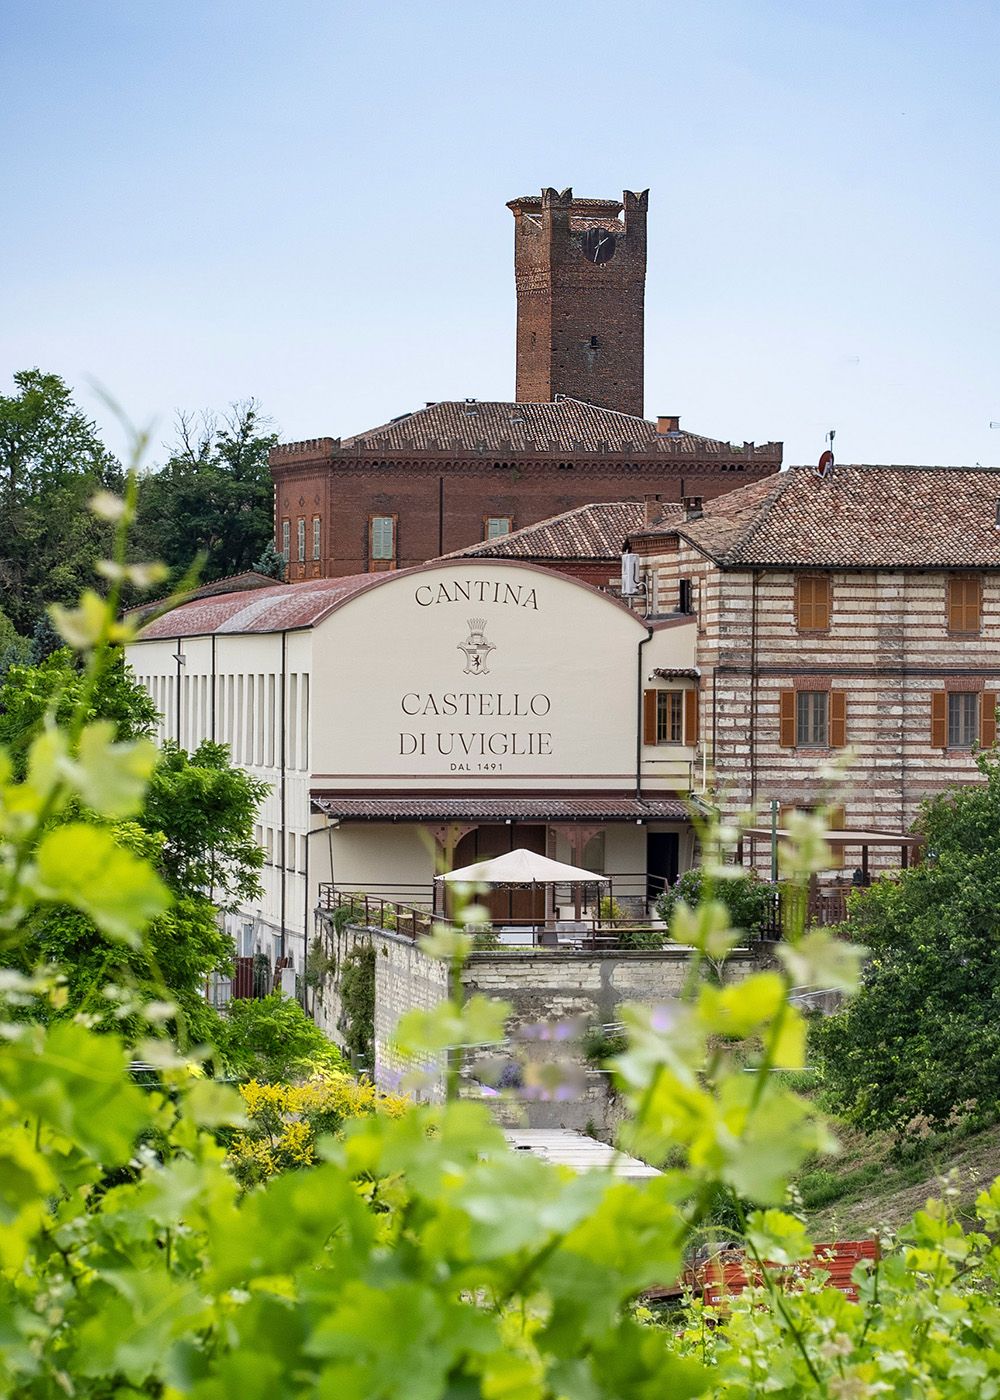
(588, 532)
(275, 609)
(232, 583)
(285, 606)
(417, 809)
(862, 517)
(564, 425)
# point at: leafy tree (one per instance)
(271, 1038)
(922, 1037)
(14, 649)
(52, 462)
(272, 562)
(213, 497)
(195, 827)
(206, 810)
(58, 685)
(44, 640)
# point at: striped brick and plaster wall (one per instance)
(888, 650)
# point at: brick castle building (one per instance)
(455, 473)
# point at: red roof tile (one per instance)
(284, 606)
(861, 517)
(588, 532)
(564, 425)
(416, 809)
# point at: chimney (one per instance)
(692, 508)
(651, 509)
(667, 423)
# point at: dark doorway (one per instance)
(506, 906)
(662, 859)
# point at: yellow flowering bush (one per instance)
(285, 1121)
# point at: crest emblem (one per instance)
(477, 649)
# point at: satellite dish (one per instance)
(824, 468)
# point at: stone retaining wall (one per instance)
(541, 985)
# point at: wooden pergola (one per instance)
(908, 844)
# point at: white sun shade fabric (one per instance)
(521, 868)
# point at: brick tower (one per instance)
(581, 277)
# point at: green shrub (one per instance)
(601, 1044)
(484, 937)
(357, 1002)
(609, 910)
(641, 939)
(747, 898)
(272, 1039)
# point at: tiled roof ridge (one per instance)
(513, 404)
(770, 488)
(897, 467)
(581, 515)
(757, 522)
(523, 530)
(616, 412)
(873, 515)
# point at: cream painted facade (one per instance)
(468, 687)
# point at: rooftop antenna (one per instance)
(824, 467)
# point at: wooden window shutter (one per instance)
(803, 603)
(836, 818)
(821, 603)
(988, 719)
(973, 603)
(649, 716)
(786, 714)
(812, 603)
(690, 716)
(954, 608)
(939, 720)
(965, 597)
(838, 719)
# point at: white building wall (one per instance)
(241, 706)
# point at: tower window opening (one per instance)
(593, 343)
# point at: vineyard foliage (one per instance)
(416, 1256)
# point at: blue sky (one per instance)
(211, 199)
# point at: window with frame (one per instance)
(301, 538)
(286, 539)
(316, 536)
(812, 719)
(382, 538)
(965, 598)
(813, 600)
(670, 716)
(496, 526)
(963, 717)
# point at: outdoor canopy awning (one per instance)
(846, 838)
(522, 868)
(541, 808)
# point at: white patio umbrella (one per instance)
(522, 868)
